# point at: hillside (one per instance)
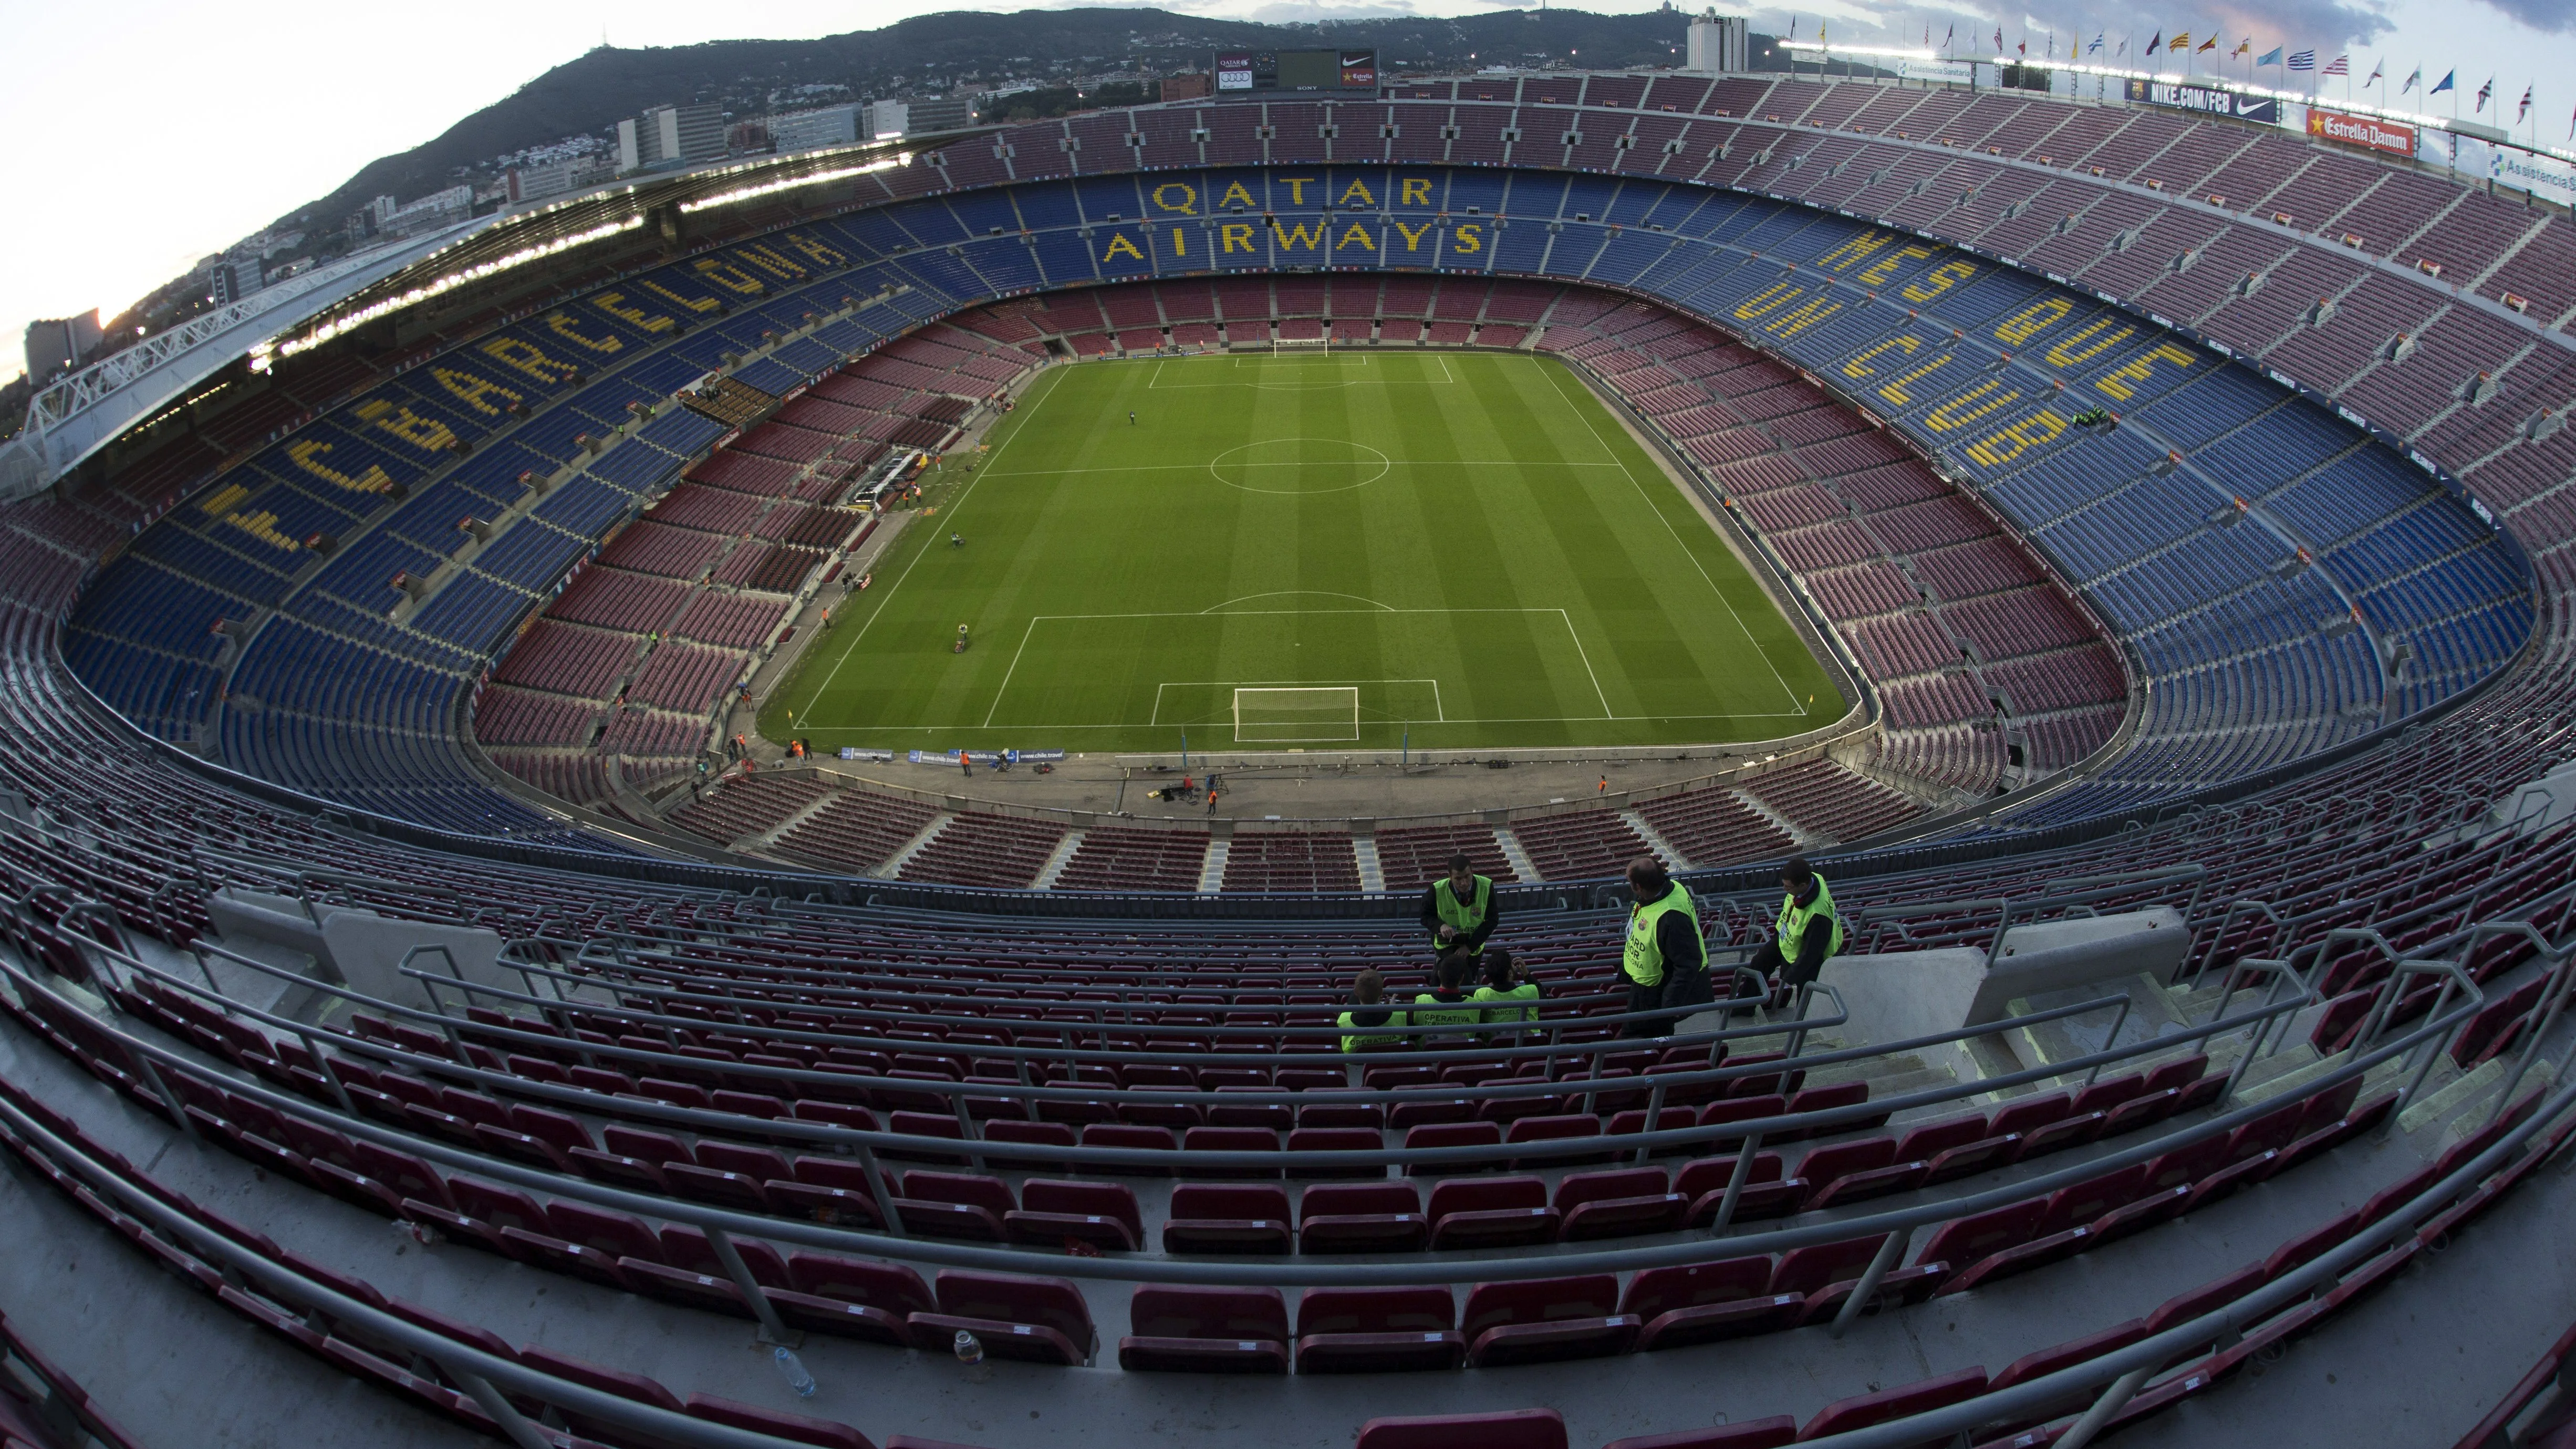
(931, 53)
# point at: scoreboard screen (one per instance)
(1296, 70)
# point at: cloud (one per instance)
(2300, 23)
(2549, 17)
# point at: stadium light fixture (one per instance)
(1898, 52)
(264, 355)
(811, 178)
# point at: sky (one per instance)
(149, 135)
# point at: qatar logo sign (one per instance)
(1234, 72)
(2366, 132)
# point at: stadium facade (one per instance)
(2185, 500)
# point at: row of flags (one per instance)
(2298, 60)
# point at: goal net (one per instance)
(1297, 716)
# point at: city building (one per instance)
(667, 136)
(534, 183)
(1187, 87)
(881, 120)
(1720, 43)
(937, 113)
(828, 126)
(236, 279)
(427, 213)
(59, 344)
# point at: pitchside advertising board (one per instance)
(2367, 132)
(2209, 100)
(1296, 70)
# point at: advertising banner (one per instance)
(988, 757)
(2367, 132)
(853, 752)
(2543, 176)
(1359, 69)
(1234, 71)
(2209, 100)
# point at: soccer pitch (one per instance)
(1463, 550)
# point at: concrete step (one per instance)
(1056, 863)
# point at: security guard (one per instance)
(1509, 996)
(1665, 959)
(1460, 912)
(1447, 1008)
(1365, 1027)
(1808, 933)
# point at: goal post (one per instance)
(1300, 715)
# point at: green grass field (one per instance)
(1462, 548)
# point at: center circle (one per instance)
(1300, 465)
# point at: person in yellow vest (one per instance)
(1369, 1026)
(1446, 1008)
(1510, 995)
(1460, 911)
(1807, 935)
(1665, 959)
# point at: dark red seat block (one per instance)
(1516, 1429)
(1377, 1330)
(1181, 1329)
(1546, 1320)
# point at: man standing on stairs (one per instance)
(1807, 935)
(1459, 911)
(1665, 960)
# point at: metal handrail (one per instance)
(959, 1091)
(1175, 1271)
(2125, 1371)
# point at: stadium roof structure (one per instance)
(71, 420)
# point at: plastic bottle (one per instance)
(792, 1368)
(970, 1349)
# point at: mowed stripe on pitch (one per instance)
(1076, 511)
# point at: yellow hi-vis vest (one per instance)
(1526, 991)
(1431, 1011)
(1463, 916)
(1361, 1038)
(1644, 959)
(1792, 925)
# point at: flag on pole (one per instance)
(1793, 27)
(2571, 126)
(2123, 51)
(2412, 82)
(2096, 47)
(2206, 46)
(2243, 47)
(2303, 60)
(2158, 43)
(2484, 92)
(2269, 57)
(2340, 65)
(1999, 40)
(2526, 106)
(2181, 41)
(2449, 77)
(1949, 35)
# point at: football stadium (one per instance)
(1692, 758)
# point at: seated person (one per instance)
(1446, 1006)
(1364, 1026)
(1507, 981)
